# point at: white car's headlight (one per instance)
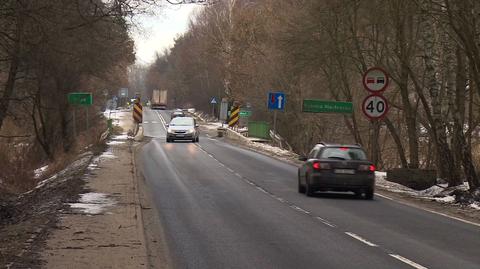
(169, 130)
(190, 131)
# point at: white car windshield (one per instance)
(183, 121)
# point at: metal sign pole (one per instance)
(74, 122)
(87, 116)
(275, 122)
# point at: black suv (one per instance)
(334, 167)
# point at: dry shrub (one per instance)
(16, 164)
(20, 157)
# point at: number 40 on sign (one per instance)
(375, 106)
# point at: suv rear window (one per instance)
(343, 153)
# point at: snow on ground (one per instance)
(110, 143)
(446, 199)
(213, 125)
(40, 171)
(270, 148)
(93, 203)
(120, 137)
(475, 205)
(434, 193)
(82, 160)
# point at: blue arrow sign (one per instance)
(276, 100)
(213, 101)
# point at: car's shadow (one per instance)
(340, 195)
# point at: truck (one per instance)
(159, 99)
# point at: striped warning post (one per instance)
(234, 116)
(137, 112)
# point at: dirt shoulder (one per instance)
(104, 228)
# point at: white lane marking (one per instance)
(154, 121)
(238, 175)
(211, 156)
(407, 261)
(363, 240)
(262, 190)
(324, 221)
(145, 122)
(229, 169)
(160, 117)
(299, 209)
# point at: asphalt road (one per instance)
(225, 207)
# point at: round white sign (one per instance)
(375, 106)
(375, 80)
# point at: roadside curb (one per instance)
(138, 207)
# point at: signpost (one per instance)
(79, 99)
(223, 110)
(213, 101)
(375, 106)
(276, 101)
(323, 106)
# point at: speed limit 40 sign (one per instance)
(375, 106)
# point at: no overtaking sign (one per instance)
(375, 80)
(375, 106)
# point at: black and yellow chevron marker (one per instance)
(234, 116)
(137, 112)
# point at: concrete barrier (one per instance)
(417, 179)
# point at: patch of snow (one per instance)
(446, 199)
(108, 155)
(92, 203)
(110, 143)
(82, 160)
(39, 172)
(434, 190)
(213, 125)
(380, 180)
(270, 148)
(475, 205)
(120, 137)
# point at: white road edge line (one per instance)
(363, 240)
(431, 211)
(383, 196)
(407, 261)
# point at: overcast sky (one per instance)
(157, 33)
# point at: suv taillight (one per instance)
(321, 166)
(366, 167)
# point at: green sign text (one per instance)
(326, 106)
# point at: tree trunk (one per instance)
(398, 142)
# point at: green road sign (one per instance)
(245, 113)
(325, 106)
(80, 98)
